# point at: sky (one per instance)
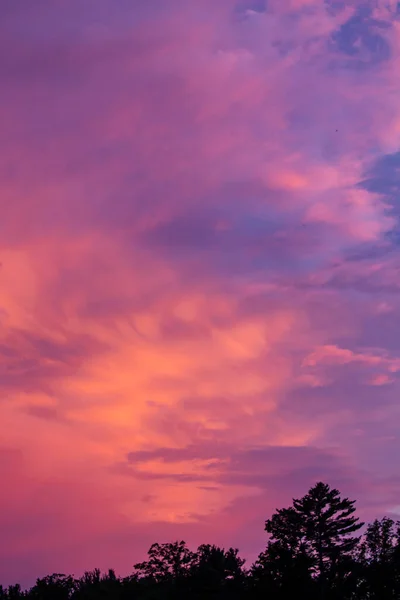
(199, 271)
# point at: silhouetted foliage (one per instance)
(217, 573)
(316, 533)
(379, 555)
(53, 587)
(312, 553)
(283, 570)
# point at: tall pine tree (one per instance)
(322, 525)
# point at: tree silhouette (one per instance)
(14, 592)
(54, 587)
(379, 554)
(320, 525)
(166, 562)
(167, 569)
(282, 569)
(217, 572)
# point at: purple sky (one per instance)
(200, 271)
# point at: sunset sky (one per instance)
(199, 271)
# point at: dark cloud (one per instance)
(239, 241)
(362, 39)
(383, 178)
(47, 413)
(31, 362)
(255, 467)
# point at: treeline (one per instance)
(315, 552)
